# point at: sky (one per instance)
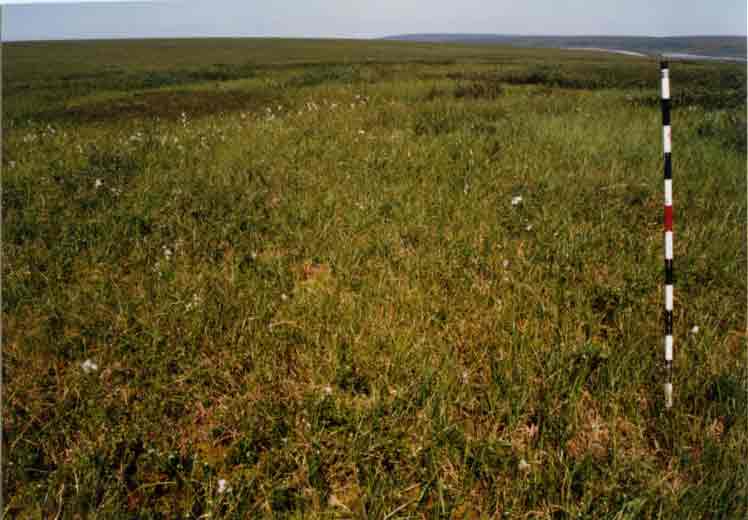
(359, 19)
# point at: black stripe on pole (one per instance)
(669, 277)
(668, 166)
(666, 112)
(668, 323)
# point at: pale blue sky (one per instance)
(357, 19)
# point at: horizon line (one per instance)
(358, 38)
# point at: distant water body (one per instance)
(671, 55)
(683, 56)
(614, 51)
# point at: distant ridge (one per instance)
(723, 47)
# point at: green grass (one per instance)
(299, 270)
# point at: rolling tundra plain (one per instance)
(367, 279)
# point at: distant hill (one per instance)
(708, 46)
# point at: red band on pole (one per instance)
(668, 218)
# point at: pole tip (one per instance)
(663, 64)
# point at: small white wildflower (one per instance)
(284, 297)
(195, 303)
(167, 252)
(695, 330)
(253, 255)
(529, 227)
(98, 183)
(361, 132)
(222, 486)
(89, 366)
(516, 201)
(524, 466)
(505, 264)
(327, 390)
(465, 377)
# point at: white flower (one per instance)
(196, 300)
(361, 132)
(89, 366)
(505, 264)
(98, 183)
(695, 329)
(284, 297)
(517, 200)
(529, 227)
(524, 466)
(167, 252)
(222, 486)
(327, 390)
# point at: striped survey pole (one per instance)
(667, 144)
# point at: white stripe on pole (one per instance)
(666, 84)
(667, 138)
(668, 192)
(668, 245)
(668, 297)
(668, 348)
(669, 395)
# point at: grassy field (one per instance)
(320, 279)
